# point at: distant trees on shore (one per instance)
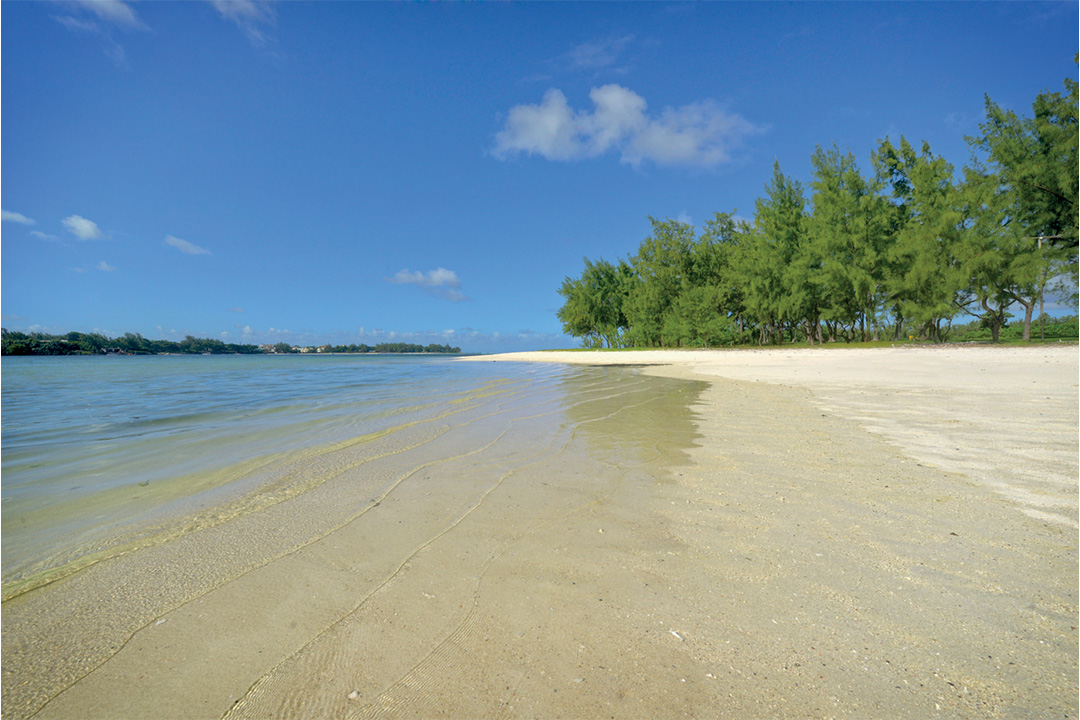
(852, 256)
(77, 343)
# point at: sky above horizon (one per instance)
(362, 172)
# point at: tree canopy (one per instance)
(901, 251)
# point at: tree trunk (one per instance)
(1029, 309)
(997, 318)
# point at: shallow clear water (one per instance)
(96, 446)
(275, 501)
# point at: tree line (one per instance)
(77, 343)
(398, 348)
(898, 252)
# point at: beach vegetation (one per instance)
(906, 252)
(77, 343)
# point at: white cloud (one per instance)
(43, 235)
(620, 113)
(116, 12)
(701, 133)
(105, 267)
(107, 14)
(251, 16)
(441, 282)
(82, 228)
(7, 215)
(548, 129)
(188, 248)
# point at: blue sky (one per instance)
(348, 172)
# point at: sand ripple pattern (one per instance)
(336, 662)
(357, 575)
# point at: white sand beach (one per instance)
(877, 532)
(826, 533)
(1007, 417)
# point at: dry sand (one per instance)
(820, 533)
(877, 532)
(1006, 417)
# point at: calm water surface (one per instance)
(94, 446)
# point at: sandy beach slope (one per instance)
(879, 532)
(821, 533)
(1007, 417)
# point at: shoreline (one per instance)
(907, 519)
(977, 410)
(745, 537)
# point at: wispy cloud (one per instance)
(82, 228)
(253, 17)
(441, 282)
(105, 267)
(114, 12)
(601, 54)
(700, 134)
(98, 18)
(188, 248)
(43, 235)
(9, 216)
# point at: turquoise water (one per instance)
(95, 448)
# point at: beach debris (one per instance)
(676, 634)
(354, 694)
(160, 620)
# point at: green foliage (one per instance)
(1053, 330)
(402, 348)
(662, 268)
(851, 227)
(75, 343)
(1026, 209)
(1036, 158)
(789, 256)
(926, 285)
(911, 246)
(595, 307)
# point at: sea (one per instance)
(103, 455)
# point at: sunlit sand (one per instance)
(814, 533)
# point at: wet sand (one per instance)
(758, 534)
(876, 533)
